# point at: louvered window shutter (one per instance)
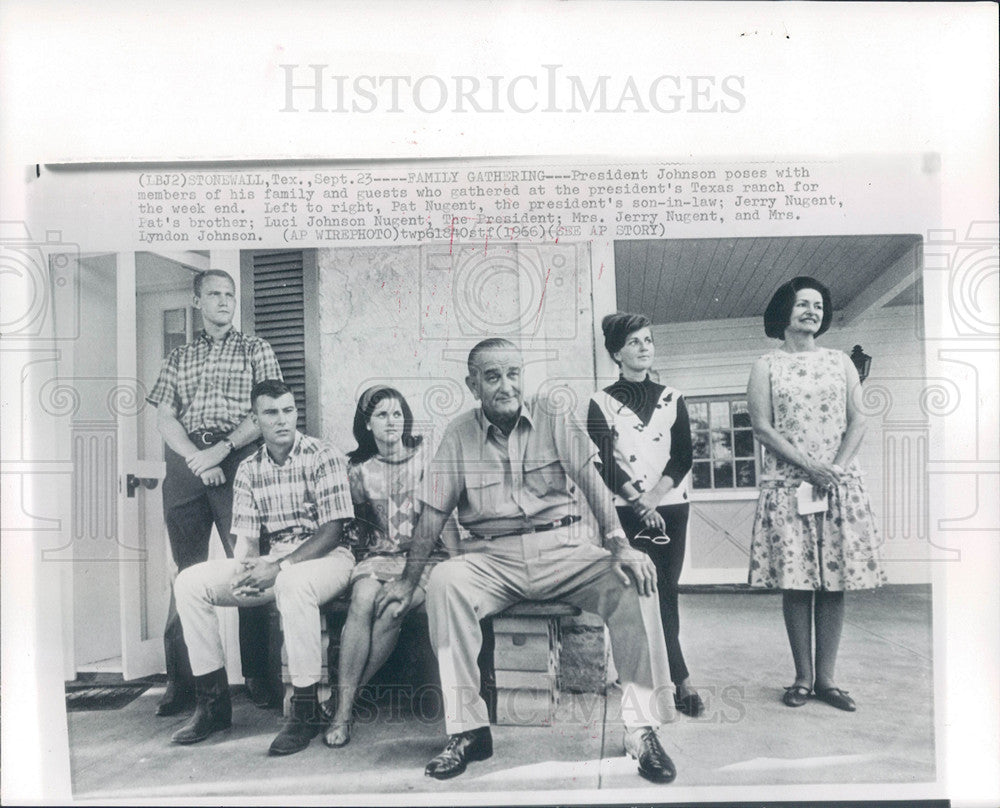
(276, 307)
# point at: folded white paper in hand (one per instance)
(810, 499)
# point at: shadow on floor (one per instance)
(736, 650)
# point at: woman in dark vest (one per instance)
(643, 435)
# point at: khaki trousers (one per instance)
(554, 565)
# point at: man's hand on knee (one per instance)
(629, 562)
(396, 595)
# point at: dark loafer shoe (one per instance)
(838, 698)
(691, 704)
(796, 695)
(476, 744)
(644, 745)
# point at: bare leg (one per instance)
(385, 633)
(829, 623)
(355, 647)
(797, 607)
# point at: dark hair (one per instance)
(369, 400)
(779, 311)
(199, 279)
(491, 344)
(272, 388)
(618, 326)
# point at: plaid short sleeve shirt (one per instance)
(291, 501)
(208, 381)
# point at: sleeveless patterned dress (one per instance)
(387, 489)
(835, 550)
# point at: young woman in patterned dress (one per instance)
(385, 472)
(803, 407)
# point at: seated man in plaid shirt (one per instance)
(292, 494)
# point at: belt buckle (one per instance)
(203, 436)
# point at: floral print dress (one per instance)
(835, 550)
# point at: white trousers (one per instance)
(543, 566)
(299, 591)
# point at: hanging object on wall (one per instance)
(862, 361)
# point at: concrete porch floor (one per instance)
(735, 647)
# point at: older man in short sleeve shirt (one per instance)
(202, 397)
(294, 493)
(512, 469)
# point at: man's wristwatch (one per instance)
(229, 444)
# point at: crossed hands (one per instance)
(824, 475)
(255, 576)
(205, 460)
(645, 508)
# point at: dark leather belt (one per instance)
(268, 540)
(288, 534)
(203, 438)
(564, 522)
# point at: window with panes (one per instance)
(725, 454)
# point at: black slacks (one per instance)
(190, 509)
(668, 559)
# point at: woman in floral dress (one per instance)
(813, 543)
(385, 472)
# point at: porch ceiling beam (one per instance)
(902, 274)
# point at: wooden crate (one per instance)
(526, 662)
(520, 670)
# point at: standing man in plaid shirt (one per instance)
(294, 493)
(202, 398)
